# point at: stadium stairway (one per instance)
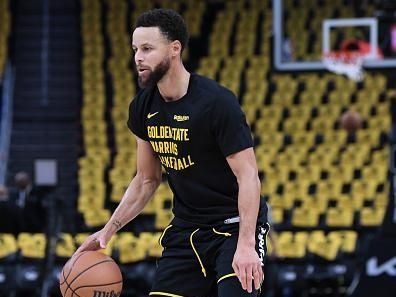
(47, 130)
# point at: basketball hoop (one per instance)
(349, 63)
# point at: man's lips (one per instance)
(142, 69)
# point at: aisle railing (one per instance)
(6, 118)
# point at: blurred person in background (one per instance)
(28, 205)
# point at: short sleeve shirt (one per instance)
(192, 137)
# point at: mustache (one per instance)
(140, 67)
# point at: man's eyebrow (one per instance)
(149, 42)
(143, 44)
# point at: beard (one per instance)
(156, 75)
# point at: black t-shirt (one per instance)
(192, 138)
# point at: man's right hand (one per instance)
(95, 241)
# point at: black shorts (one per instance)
(198, 262)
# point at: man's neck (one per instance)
(174, 84)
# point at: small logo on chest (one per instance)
(181, 118)
(150, 115)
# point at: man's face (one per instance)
(3, 193)
(152, 55)
(22, 180)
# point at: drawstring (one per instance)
(162, 235)
(196, 253)
(221, 233)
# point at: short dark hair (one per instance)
(170, 23)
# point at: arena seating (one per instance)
(327, 189)
(97, 154)
(5, 27)
(318, 179)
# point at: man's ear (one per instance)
(176, 48)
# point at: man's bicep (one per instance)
(148, 163)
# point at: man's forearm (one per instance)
(132, 203)
(248, 205)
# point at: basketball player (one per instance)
(196, 130)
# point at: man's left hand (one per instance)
(248, 267)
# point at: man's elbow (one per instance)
(148, 181)
(249, 177)
(258, 182)
(152, 182)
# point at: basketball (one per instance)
(351, 121)
(91, 274)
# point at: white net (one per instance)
(347, 63)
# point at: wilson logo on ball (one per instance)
(106, 294)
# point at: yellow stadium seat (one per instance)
(364, 187)
(268, 187)
(371, 216)
(381, 200)
(326, 247)
(303, 217)
(338, 98)
(293, 125)
(96, 217)
(291, 246)
(283, 99)
(306, 138)
(339, 217)
(162, 219)
(8, 245)
(279, 175)
(322, 124)
(343, 173)
(130, 248)
(65, 246)
(277, 215)
(263, 126)
(309, 174)
(374, 173)
(155, 249)
(380, 123)
(312, 98)
(32, 245)
(348, 240)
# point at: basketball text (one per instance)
(106, 294)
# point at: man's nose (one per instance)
(138, 57)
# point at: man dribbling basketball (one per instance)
(195, 128)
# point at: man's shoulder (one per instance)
(211, 89)
(141, 102)
(143, 95)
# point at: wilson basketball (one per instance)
(91, 274)
(351, 121)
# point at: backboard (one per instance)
(304, 30)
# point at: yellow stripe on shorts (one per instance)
(164, 294)
(226, 276)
